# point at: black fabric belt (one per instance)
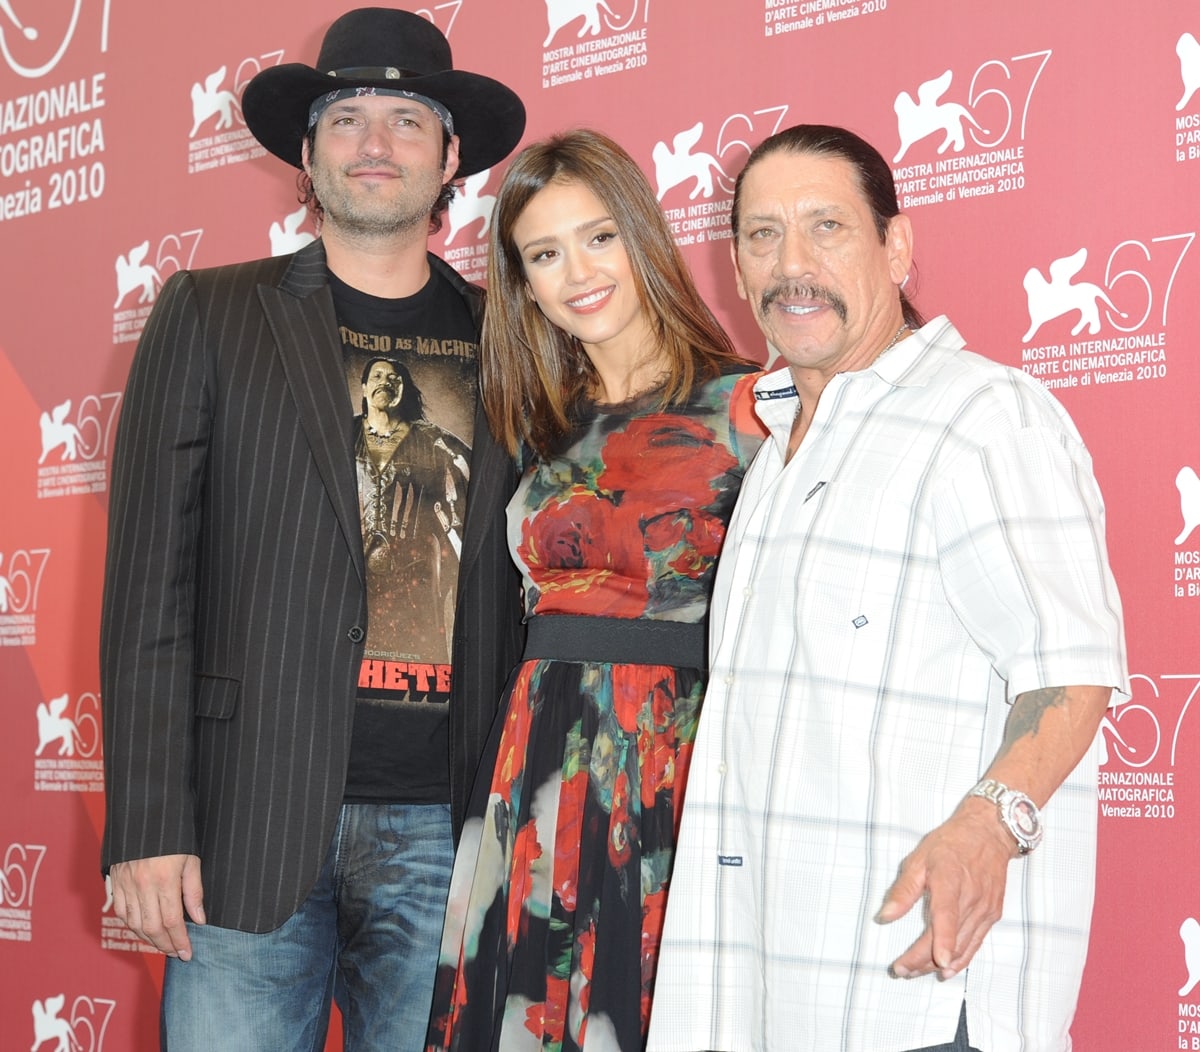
(619, 640)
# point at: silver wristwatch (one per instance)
(1018, 813)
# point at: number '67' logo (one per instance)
(21, 578)
(1150, 724)
(19, 875)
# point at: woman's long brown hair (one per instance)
(533, 373)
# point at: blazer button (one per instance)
(356, 635)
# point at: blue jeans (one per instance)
(367, 937)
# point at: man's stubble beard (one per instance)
(373, 214)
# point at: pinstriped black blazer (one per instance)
(234, 599)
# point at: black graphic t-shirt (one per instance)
(411, 375)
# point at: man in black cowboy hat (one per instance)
(286, 764)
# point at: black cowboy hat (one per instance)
(380, 47)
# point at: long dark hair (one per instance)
(533, 373)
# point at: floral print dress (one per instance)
(560, 881)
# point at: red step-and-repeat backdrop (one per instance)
(1048, 153)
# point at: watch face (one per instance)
(1024, 816)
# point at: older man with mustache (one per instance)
(915, 634)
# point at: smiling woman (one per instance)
(578, 273)
(608, 376)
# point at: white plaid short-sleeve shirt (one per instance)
(934, 549)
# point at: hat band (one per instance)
(323, 102)
(372, 73)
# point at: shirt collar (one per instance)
(900, 366)
(911, 363)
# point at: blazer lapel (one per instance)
(301, 316)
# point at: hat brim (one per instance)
(489, 118)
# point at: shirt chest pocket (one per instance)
(865, 540)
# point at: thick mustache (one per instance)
(792, 290)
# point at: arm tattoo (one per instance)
(1027, 711)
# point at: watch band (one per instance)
(1018, 813)
(990, 789)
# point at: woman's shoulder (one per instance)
(735, 381)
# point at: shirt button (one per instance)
(747, 591)
(721, 767)
(728, 681)
(356, 634)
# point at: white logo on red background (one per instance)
(35, 34)
(677, 164)
(18, 881)
(467, 220)
(76, 446)
(1188, 484)
(68, 745)
(81, 1031)
(60, 166)
(27, 31)
(1129, 733)
(1137, 275)
(1052, 297)
(470, 206)
(217, 98)
(606, 43)
(1188, 50)
(21, 579)
(53, 726)
(211, 97)
(74, 728)
(1189, 933)
(287, 236)
(1133, 735)
(1151, 723)
(703, 170)
(134, 274)
(928, 115)
(597, 16)
(57, 431)
(48, 1027)
(87, 435)
(144, 273)
(212, 100)
(18, 877)
(996, 100)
